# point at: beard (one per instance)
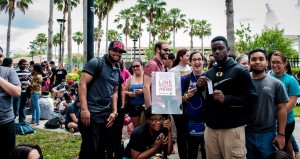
(162, 56)
(112, 59)
(257, 71)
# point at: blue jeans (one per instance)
(19, 107)
(259, 145)
(35, 107)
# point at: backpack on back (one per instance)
(54, 123)
(24, 128)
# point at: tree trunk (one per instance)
(191, 43)
(99, 39)
(84, 31)
(202, 49)
(174, 37)
(8, 34)
(63, 39)
(70, 65)
(230, 25)
(50, 33)
(140, 29)
(106, 44)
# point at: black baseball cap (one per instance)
(117, 45)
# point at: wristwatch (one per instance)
(116, 113)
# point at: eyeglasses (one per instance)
(276, 63)
(166, 49)
(155, 120)
(199, 59)
(136, 66)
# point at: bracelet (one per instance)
(186, 97)
(281, 134)
(84, 110)
(116, 114)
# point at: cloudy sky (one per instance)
(285, 15)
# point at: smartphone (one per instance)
(275, 145)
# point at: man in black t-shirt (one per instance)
(60, 74)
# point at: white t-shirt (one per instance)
(183, 70)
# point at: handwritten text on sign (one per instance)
(165, 83)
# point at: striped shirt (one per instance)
(23, 73)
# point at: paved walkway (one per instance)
(173, 156)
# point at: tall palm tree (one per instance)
(153, 8)
(50, 32)
(102, 9)
(84, 21)
(78, 38)
(230, 25)
(203, 29)
(55, 43)
(69, 36)
(126, 16)
(191, 29)
(10, 7)
(139, 14)
(98, 34)
(178, 21)
(62, 5)
(163, 23)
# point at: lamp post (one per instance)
(32, 43)
(60, 22)
(134, 47)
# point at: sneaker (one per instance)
(32, 122)
(71, 130)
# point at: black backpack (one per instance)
(54, 123)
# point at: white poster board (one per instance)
(166, 93)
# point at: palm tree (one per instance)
(191, 29)
(203, 29)
(41, 41)
(62, 5)
(178, 21)
(139, 15)
(102, 9)
(10, 7)
(69, 36)
(50, 32)
(84, 21)
(163, 24)
(114, 35)
(78, 38)
(230, 25)
(126, 16)
(56, 42)
(152, 8)
(98, 34)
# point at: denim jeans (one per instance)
(7, 138)
(259, 145)
(35, 107)
(19, 107)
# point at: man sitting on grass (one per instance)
(72, 116)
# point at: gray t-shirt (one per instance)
(46, 105)
(270, 92)
(6, 111)
(99, 93)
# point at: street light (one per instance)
(61, 22)
(32, 43)
(134, 47)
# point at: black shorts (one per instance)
(135, 111)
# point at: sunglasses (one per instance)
(136, 66)
(166, 49)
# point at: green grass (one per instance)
(54, 145)
(297, 111)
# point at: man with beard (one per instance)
(272, 103)
(230, 94)
(99, 101)
(154, 65)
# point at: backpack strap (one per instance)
(98, 70)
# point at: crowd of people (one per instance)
(232, 107)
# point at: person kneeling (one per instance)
(72, 116)
(151, 138)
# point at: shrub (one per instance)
(74, 77)
(295, 70)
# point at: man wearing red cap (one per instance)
(99, 101)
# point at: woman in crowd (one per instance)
(47, 73)
(181, 65)
(35, 90)
(134, 92)
(244, 61)
(124, 72)
(195, 106)
(278, 65)
(26, 151)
